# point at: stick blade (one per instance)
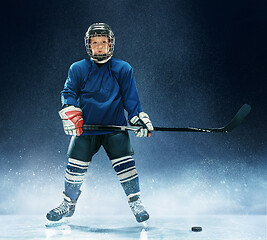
(238, 118)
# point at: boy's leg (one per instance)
(80, 152)
(119, 149)
(127, 174)
(75, 172)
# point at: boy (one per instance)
(96, 92)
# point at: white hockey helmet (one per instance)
(99, 29)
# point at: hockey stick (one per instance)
(238, 118)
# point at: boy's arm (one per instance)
(133, 106)
(69, 94)
(71, 114)
(129, 94)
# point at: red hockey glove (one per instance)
(72, 120)
(142, 119)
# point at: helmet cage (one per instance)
(98, 30)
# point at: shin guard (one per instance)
(127, 174)
(75, 173)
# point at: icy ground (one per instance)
(226, 227)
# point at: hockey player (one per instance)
(97, 91)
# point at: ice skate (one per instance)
(138, 210)
(65, 209)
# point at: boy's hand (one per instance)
(142, 119)
(72, 120)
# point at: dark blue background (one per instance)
(195, 62)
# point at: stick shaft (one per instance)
(238, 118)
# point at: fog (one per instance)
(195, 64)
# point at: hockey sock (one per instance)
(75, 173)
(127, 174)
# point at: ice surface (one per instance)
(220, 227)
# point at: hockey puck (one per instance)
(196, 229)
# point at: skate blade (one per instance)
(59, 223)
(145, 224)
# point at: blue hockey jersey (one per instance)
(102, 92)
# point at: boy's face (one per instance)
(99, 45)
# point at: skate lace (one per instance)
(63, 208)
(137, 206)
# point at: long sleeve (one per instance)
(129, 93)
(69, 94)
